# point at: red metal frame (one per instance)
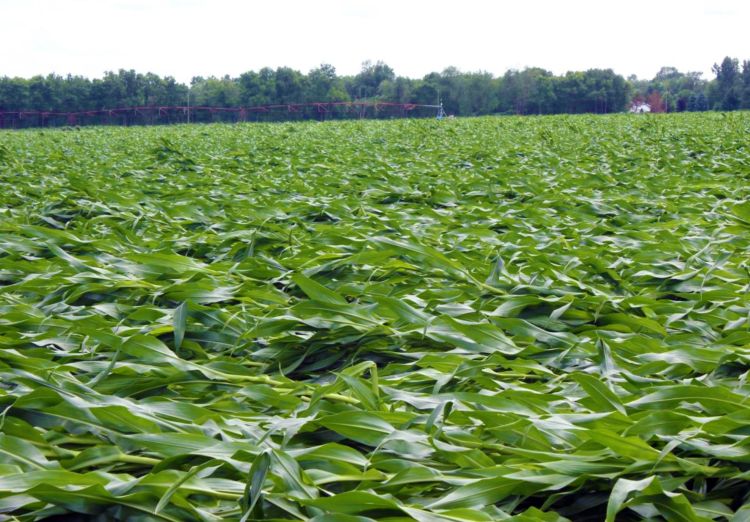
(321, 108)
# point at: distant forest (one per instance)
(527, 91)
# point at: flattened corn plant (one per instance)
(468, 320)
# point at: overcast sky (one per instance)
(186, 38)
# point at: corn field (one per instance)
(467, 320)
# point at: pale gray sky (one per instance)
(186, 38)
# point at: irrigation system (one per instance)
(154, 115)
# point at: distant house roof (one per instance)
(640, 107)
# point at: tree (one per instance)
(726, 94)
(14, 94)
(366, 83)
(258, 88)
(479, 95)
(606, 91)
(745, 96)
(697, 102)
(656, 102)
(399, 90)
(216, 92)
(174, 93)
(41, 95)
(290, 85)
(570, 92)
(451, 90)
(324, 86)
(667, 74)
(108, 92)
(427, 90)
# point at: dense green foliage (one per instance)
(530, 91)
(466, 320)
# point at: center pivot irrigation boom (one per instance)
(159, 114)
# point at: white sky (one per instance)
(186, 38)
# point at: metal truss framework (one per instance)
(175, 114)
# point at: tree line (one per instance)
(528, 91)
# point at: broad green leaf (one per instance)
(352, 502)
(363, 427)
(316, 291)
(599, 393)
(256, 478)
(483, 492)
(180, 322)
(18, 451)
